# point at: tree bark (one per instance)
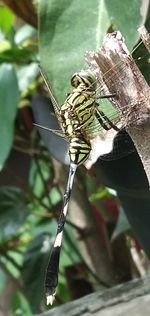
(117, 72)
(131, 298)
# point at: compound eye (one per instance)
(75, 80)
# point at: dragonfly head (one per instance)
(79, 150)
(84, 77)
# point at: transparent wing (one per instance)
(118, 68)
(54, 102)
(111, 113)
(57, 132)
(97, 125)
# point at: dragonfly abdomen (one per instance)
(79, 145)
(79, 150)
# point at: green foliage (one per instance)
(6, 19)
(20, 305)
(69, 28)
(35, 262)
(40, 173)
(13, 210)
(13, 78)
(17, 55)
(9, 97)
(121, 16)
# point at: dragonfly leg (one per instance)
(106, 96)
(104, 120)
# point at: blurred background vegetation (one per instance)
(99, 248)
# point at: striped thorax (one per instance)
(77, 113)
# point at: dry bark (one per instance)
(117, 72)
(131, 298)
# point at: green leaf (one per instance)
(9, 95)
(69, 28)
(20, 305)
(13, 260)
(13, 210)
(63, 292)
(35, 262)
(40, 175)
(18, 55)
(126, 17)
(38, 168)
(6, 19)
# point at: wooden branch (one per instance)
(117, 72)
(131, 298)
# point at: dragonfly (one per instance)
(80, 119)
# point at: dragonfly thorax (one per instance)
(79, 150)
(77, 114)
(77, 111)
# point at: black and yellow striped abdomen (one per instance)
(79, 146)
(79, 150)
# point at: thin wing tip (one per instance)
(50, 299)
